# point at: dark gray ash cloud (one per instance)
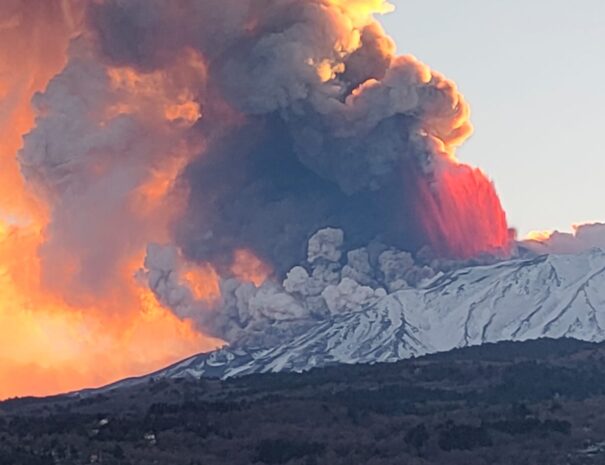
(315, 139)
(333, 124)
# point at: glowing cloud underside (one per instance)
(53, 339)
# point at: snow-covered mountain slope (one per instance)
(548, 296)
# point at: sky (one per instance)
(533, 74)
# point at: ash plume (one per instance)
(331, 128)
(98, 140)
(315, 168)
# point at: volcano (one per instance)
(547, 296)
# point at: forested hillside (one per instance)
(528, 403)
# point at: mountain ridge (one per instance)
(547, 296)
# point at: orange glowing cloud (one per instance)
(47, 343)
(248, 267)
(203, 281)
(539, 236)
(361, 10)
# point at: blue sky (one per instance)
(534, 74)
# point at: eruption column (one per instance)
(229, 135)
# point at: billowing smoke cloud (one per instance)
(103, 140)
(583, 238)
(288, 160)
(327, 126)
(77, 327)
(327, 283)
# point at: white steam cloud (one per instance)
(583, 238)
